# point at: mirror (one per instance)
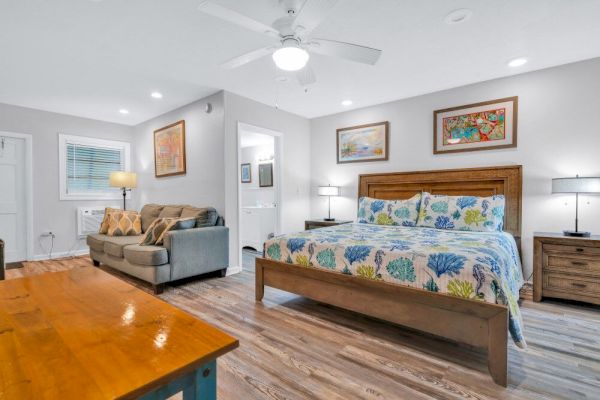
(265, 175)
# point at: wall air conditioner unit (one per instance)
(89, 220)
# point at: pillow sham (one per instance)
(389, 212)
(124, 223)
(463, 213)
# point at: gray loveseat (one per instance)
(185, 253)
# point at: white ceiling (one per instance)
(90, 58)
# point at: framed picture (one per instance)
(480, 126)
(246, 172)
(363, 143)
(265, 175)
(169, 150)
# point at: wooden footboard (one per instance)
(472, 322)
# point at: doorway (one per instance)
(15, 196)
(259, 187)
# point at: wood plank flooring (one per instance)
(295, 348)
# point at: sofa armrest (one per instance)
(197, 251)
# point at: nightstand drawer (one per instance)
(572, 264)
(563, 249)
(574, 285)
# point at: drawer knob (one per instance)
(579, 285)
(579, 263)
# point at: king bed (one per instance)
(457, 284)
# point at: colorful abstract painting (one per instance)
(363, 143)
(478, 126)
(169, 150)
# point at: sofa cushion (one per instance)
(146, 255)
(149, 213)
(113, 245)
(172, 211)
(206, 216)
(96, 241)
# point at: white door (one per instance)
(13, 215)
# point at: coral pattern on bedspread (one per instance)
(482, 266)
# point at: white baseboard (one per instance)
(61, 254)
(234, 270)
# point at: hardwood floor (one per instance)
(295, 348)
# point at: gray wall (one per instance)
(202, 185)
(49, 213)
(295, 130)
(557, 137)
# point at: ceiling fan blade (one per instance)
(247, 58)
(349, 51)
(306, 76)
(236, 18)
(312, 13)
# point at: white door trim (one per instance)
(28, 185)
(278, 174)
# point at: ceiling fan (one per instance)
(292, 32)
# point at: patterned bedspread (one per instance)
(474, 265)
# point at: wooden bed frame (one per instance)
(473, 322)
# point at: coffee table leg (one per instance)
(198, 385)
(205, 383)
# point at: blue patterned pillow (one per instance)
(463, 213)
(389, 212)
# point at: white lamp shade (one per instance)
(329, 190)
(576, 185)
(122, 179)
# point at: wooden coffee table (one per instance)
(84, 334)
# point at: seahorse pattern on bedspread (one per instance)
(481, 266)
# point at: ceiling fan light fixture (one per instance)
(290, 58)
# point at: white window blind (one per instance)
(86, 164)
(89, 167)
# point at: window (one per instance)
(86, 164)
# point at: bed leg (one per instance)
(497, 348)
(260, 286)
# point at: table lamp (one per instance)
(577, 185)
(329, 191)
(124, 180)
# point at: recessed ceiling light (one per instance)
(156, 95)
(124, 111)
(517, 62)
(458, 16)
(347, 103)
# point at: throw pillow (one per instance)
(389, 212)
(464, 213)
(154, 231)
(104, 223)
(124, 223)
(175, 225)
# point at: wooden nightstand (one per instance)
(319, 223)
(566, 267)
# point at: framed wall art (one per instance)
(480, 126)
(169, 150)
(246, 172)
(363, 143)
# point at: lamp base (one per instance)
(576, 233)
(328, 219)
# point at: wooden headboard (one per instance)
(455, 182)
